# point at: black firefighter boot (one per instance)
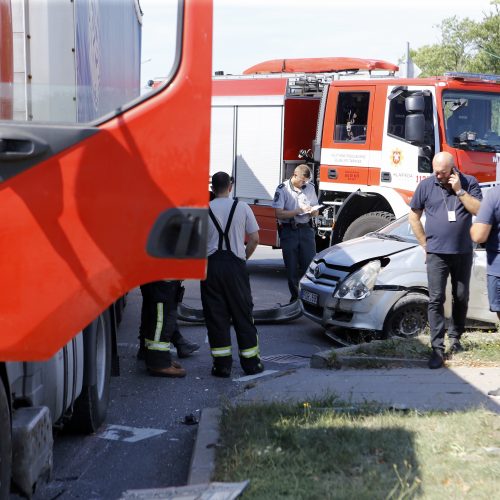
(183, 346)
(251, 366)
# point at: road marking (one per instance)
(128, 434)
(252, 377)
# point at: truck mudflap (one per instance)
(272, 315)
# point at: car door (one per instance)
(98, 194)
(479, 308)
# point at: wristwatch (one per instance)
(461, 192)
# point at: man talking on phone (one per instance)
(449, 199)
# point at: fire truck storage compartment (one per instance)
(258, 151)
(259, 144)
(252, 145)
(301, 119)
(222, 139)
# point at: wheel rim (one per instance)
(411, 322)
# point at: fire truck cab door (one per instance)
(347, 156)
(94, 206)
(406, 163)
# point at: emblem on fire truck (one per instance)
(396, 157)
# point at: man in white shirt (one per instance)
(226, 293)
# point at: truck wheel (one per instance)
(92, 405)
(5, 445)
(408, 317)
(367, 223)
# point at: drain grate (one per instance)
(286, 359)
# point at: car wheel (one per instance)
(5, 444)
(367, 223)
(91, 406)
(408, 317)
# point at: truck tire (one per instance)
(91, 406)
(408, 317)
(5, 445)
(367, 223)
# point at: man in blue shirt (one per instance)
(295, 202)
(449, 199)
(486, 228)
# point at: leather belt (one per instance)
(298, 224)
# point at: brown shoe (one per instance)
(175, 370)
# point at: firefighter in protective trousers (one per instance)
(295, 201)
(226, 294)
(159, 329)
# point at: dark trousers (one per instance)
(439, 267)
(159, 321)
(298, 247)
(226, 296)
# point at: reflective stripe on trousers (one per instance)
(250, 353)
(156, 344)
(218, 352)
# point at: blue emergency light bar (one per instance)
(473, 77)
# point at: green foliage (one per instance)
(465, 45)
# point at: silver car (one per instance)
(379, 283)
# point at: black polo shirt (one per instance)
(442, 235)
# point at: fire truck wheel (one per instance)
(92, 405)
(367, 223)
(5, 444)
(408, 317)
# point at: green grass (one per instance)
(480, 349)
(327, 450)
(414, 348)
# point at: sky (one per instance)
(246, 32)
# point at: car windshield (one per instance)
(472, 120)
(399, 229)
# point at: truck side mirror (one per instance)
(414, 128)
(415, 120)
(415, 103)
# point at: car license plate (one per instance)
(310, 297)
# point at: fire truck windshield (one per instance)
(472, 120)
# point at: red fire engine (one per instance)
(368, 136)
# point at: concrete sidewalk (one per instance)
(451, 389)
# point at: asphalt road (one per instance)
(146, 441)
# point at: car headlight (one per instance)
(359, 284)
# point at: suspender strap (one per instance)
(217, 226)
(228, 225)
(223, 235)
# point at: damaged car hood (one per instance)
(351, 252)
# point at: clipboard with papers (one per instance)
(313, 209)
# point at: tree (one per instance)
(466, 45)
(487, 39)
